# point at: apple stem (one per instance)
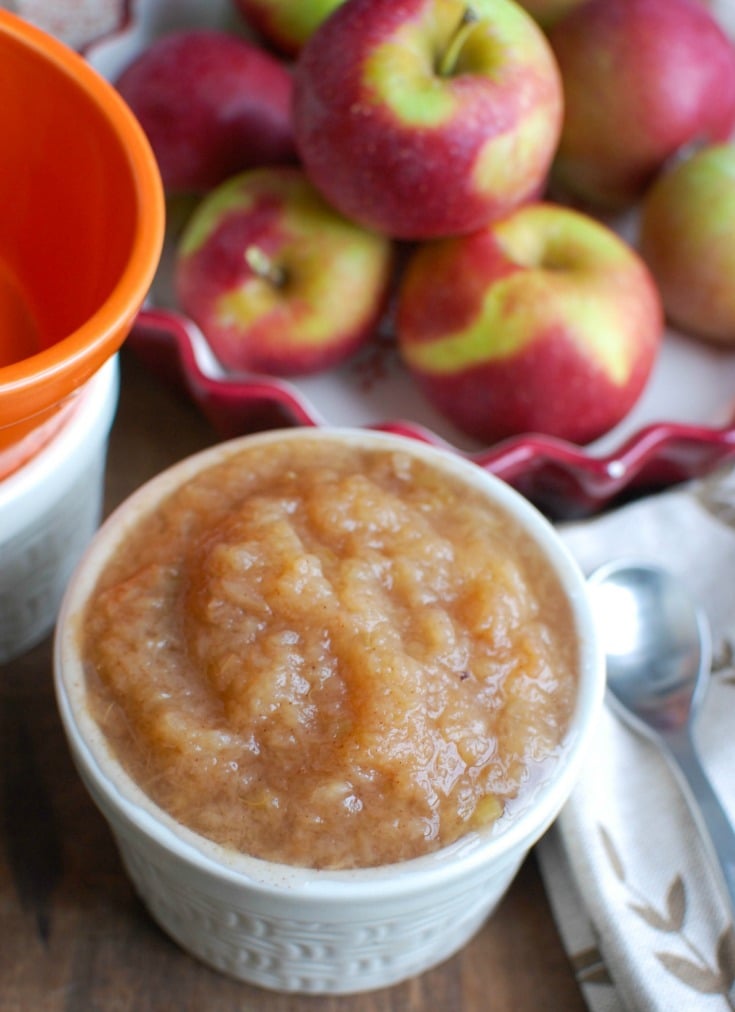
(466, 25)
(261, 264)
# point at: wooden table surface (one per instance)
(74, 937)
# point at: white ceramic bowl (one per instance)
(49, 510)
(296, 929)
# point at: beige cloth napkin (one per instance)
(644, 919)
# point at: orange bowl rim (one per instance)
(49, 376)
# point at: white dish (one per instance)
(301, 929)
(49, 510)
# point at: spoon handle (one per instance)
(711, 818)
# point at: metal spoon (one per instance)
(659, 654)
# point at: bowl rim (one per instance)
(107, 780)
(30, 386)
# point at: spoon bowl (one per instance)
(657, 643)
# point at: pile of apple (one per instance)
(367, 154)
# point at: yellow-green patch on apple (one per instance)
(399, 74)
(227, 199)
(509, 159)
(286, 24)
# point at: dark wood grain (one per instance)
(74, 937)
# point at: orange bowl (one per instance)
(80, 233)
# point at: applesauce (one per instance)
(330, 655)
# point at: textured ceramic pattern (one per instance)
(321, 954)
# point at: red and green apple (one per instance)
(427, 117)
(687, 238)
(211, 104)
(642, 80)
(545, 321)
(286, 24)
(276, 279)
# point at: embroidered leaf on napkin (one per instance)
(676, 906)
(694, 975)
